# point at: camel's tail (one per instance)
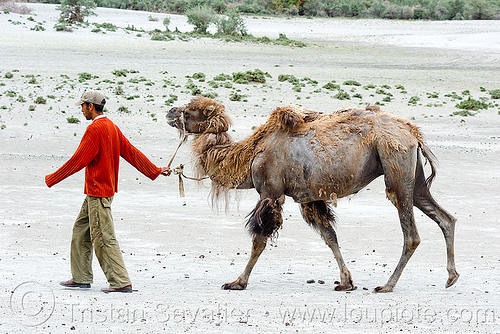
(433, 161)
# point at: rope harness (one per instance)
(179, 170)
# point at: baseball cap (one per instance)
(91, 96)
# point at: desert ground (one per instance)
(180, 250)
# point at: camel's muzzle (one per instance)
(173, 117)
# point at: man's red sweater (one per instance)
(99, 152)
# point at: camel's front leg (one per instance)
(259, 244)
(263, 222)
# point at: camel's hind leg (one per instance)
(263, 222)
(423, 200)
(399, 171)
(318, 215)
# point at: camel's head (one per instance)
(201, 115)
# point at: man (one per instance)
(99, 152)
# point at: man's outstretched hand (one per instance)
(165, 171)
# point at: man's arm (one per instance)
(137, 159)
(83, 155)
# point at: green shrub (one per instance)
(40, 100)
(8, 75)
(250, 76)
(63, 27)
(199, 76)
(351, 83)
(223, 77)
(283, 40)
(236, 97)
(161, 36)
(495, 94)
(166, 22)
(84, 76)
(106, 26)
(342, 95)
(38, 27)
(464, 113)
(119, 90)
(123, 109)
(471, 104)
(76, 10)
(413, 100)
(288, 77)
(73, 120)
(171, 100)
(480, 10)
(200, 17)
(120, 73)
(331, 85)
(454, 96)
(231, 25)
(377, 9)
(211, 95)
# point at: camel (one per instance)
(316, 158)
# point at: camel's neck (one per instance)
(226, 162)
(211, 149)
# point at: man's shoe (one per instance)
(71, 284)
(126, 289)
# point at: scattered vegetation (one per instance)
(73, 120)
(129, 88)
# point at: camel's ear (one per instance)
(208, 111)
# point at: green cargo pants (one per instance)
(94, 228)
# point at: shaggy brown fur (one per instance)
(316, 158)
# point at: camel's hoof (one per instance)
(233, 286)
(345, 287)
(452, 279)
(382, 289)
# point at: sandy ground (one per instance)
(179, 251)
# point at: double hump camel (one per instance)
(316, 158)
